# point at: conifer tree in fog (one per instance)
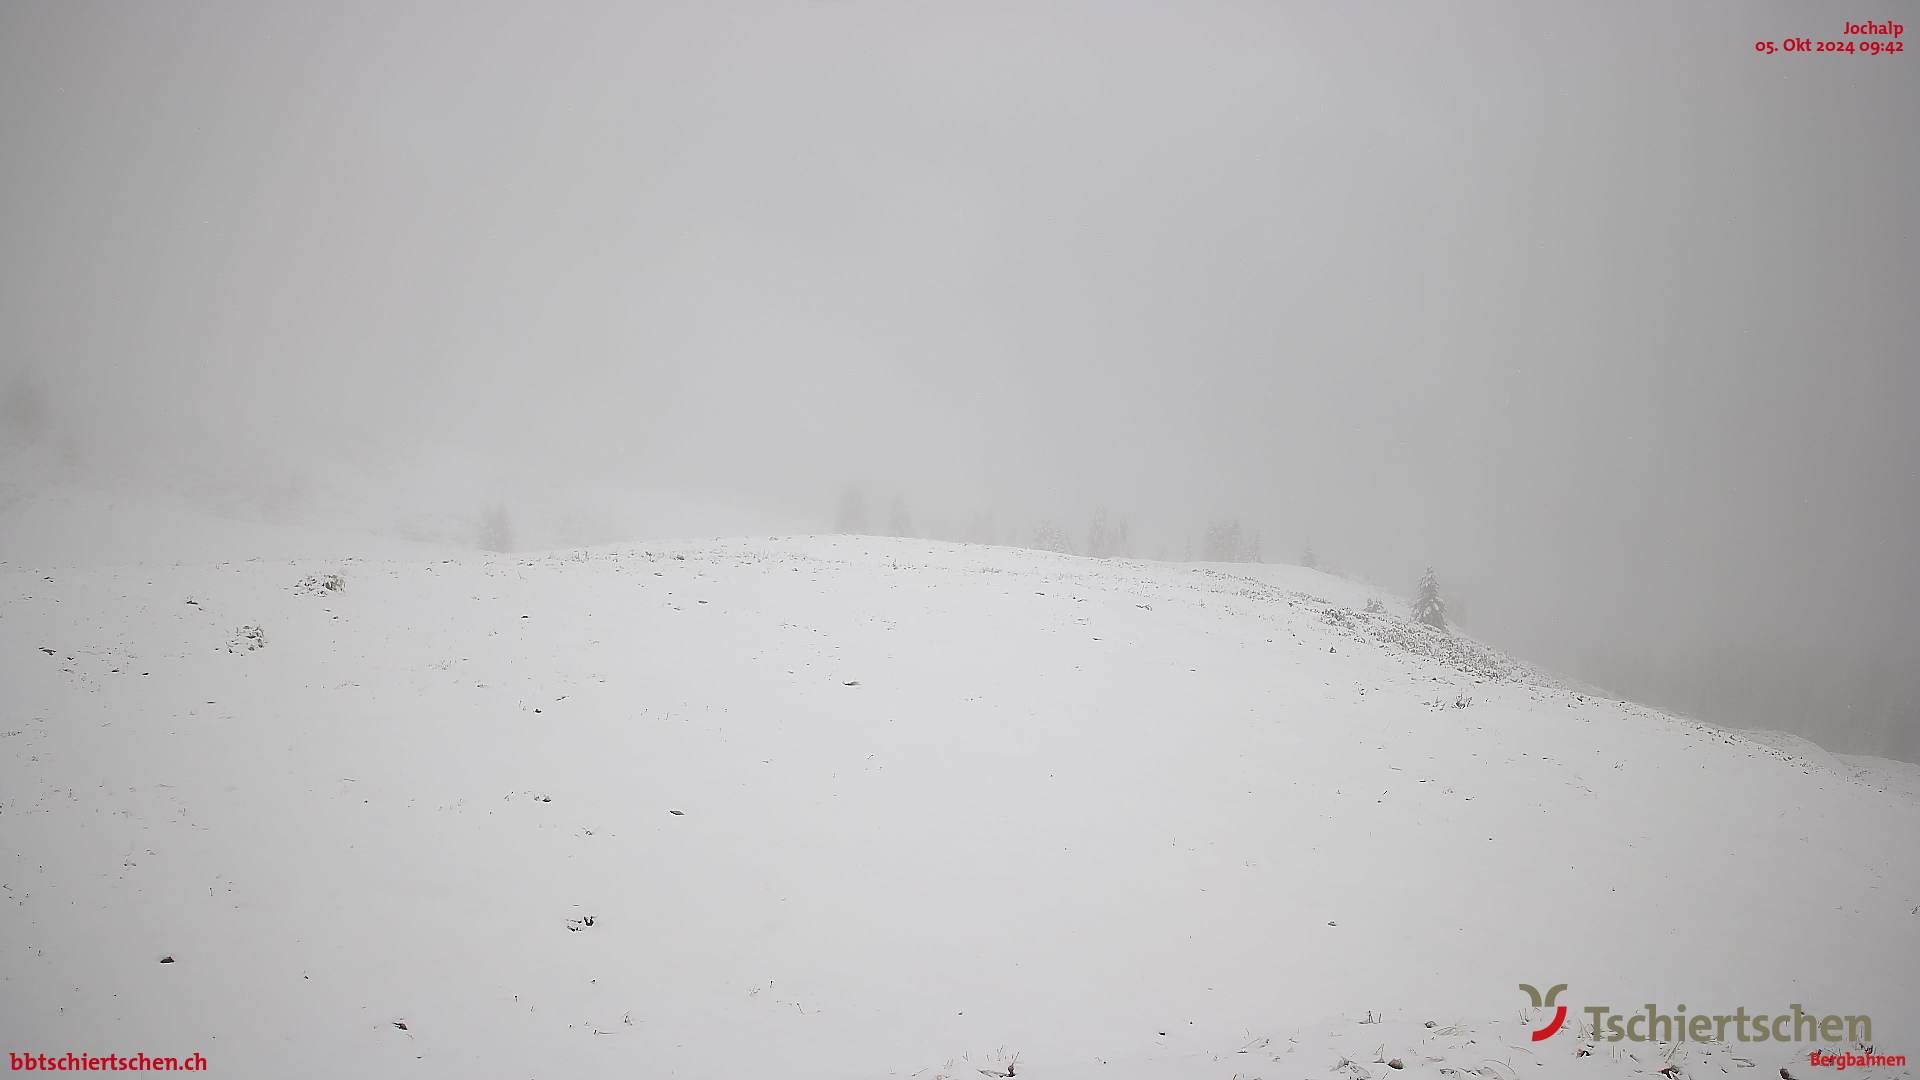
(982, 529)
(898, 521)
(852, 516)
(1227, 541)
(1050, 537)
(1427, 606)
(496, 529)
(23, 409)
(1105, 539)
(1221, 542)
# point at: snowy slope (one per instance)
(938, 806)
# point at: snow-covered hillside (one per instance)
(848, 807)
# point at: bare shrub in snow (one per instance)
(321, 584)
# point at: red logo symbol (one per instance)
(1559, 1011)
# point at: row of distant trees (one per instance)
(855, 517)
(1106, 536)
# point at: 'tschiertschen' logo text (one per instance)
(1651, 1025)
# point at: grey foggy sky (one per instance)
(1603, 314)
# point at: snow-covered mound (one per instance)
(1896, 776)
(859, 808)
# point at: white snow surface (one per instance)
(939, 808)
